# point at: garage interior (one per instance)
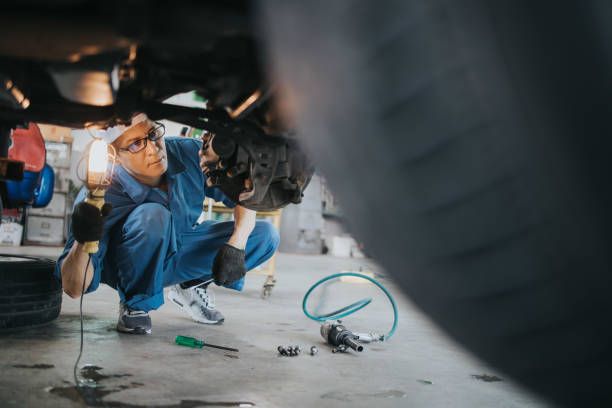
(419, 365)
(419, 191)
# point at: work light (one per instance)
(100, 165)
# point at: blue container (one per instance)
(20, 193)
(43, 193)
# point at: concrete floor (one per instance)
(419, 367)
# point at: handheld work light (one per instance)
(100, 164)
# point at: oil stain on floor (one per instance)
(486, 377)
(92, 373)
(92, 396)
(34, 366)
(349, 397)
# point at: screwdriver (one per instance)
(195, 343)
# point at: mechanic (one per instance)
(149, 239)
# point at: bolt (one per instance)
(314, 350)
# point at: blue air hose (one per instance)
(352, 308)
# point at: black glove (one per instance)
(228, 265)
(88, 222)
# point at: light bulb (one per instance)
(98, 162)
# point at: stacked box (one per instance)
(10, 233)
(56, 208)
(58, 155)
(47, 225)
(62, 180)
(44, 230)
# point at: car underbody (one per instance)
(88, 64)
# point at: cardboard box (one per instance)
(340, 246)
(62, 180)
(10, 233)
(58, 155)
(45, 230)
(55, 208)
(54, 133)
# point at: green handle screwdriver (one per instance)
(195, 343)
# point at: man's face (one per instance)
(148, 163)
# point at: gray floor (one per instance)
(419, 367)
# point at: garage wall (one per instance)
(302, 225)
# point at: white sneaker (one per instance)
(198, 302)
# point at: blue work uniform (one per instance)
(150, 241)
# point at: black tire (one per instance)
(469, 144)
(29, 293)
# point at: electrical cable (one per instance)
(352, 308)
(76, 364)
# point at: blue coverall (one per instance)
(149, 239)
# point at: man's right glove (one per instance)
(88, 222)
(228, 265)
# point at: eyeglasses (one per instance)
(154, 134)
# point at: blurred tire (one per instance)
(469, 144)
(29, 293)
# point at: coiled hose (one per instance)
(352, 308)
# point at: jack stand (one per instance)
(267, 286)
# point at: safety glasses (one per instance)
(154, 134)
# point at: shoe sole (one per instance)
(180, 302)
(137, 330)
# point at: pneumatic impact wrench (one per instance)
(341, 338)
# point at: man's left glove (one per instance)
(228, 265)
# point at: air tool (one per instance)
(341, 338)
